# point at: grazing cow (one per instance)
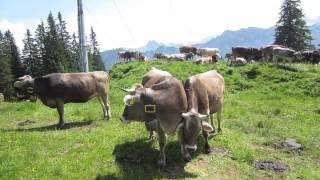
(54, 90)
(239, 61)
(188, 49)
(246, 53)
(154, 76)
(1, 98)
(159, 55)
(203, 60)
(208, 52)
(311, 56)
(205, 97)
(164, 101)
(285, 54)
(267, 51)
(228, 56)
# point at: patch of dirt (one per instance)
(74, 146)
(26, 122)
(270, 165)
(289, 144)
(218, 151)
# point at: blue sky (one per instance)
(124, 23)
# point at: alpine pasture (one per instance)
(264, 105)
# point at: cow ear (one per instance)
(206, 126)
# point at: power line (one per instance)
(124, 21)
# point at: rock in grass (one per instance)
(270, 165)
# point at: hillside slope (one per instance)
(263, 106)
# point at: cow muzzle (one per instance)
(124, 120)
(191, 148)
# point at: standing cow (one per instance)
(267, 51)
(188, 49)
(154, 76)
(164, 101)
(205, 97)
(54, 90)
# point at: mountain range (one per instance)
(252, 37)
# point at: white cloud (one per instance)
(18, 29)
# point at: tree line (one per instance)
(52, 49)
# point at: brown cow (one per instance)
(188, 49)
(267, 51)
(164, 101)
(54, 90)
(205, 97)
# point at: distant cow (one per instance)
(311, 56)
(246, 52)
(164, 101)
(188, 49)
(239, 61)
(285, 55)
(127, 56)
(54, 90)
(267, 51)
(205, 97)
(228, 56)
(208, 52)
(159, 55)
(1, 98)
(203, 60)
(173, 57)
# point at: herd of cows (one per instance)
(161, 101)
(240, 55)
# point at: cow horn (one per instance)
(125, 90)
(206, 126)
(18, 84)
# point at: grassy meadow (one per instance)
(264, 105)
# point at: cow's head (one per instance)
(24, 86)
(190, 128)
(134, 108)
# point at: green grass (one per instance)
(263, 105)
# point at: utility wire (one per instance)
(124, 21)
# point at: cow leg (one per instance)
(105, 107)
(212, 122)
(60, 108)
(162, 144)
(219, 120)
(151, 130)
(207, 149)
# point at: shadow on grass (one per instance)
(285, 67)
(68, 125)
(138, 160)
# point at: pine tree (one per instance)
(54, 49)
(64, 43)
(30, 56)
(95, 57)
(5, 77)
(291, 29)
(40, 38)
(11, 51)
(75, 54)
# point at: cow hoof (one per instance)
(187, 158)
(208, 151)
(60, 125)
(161, 163)
(220, 131)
